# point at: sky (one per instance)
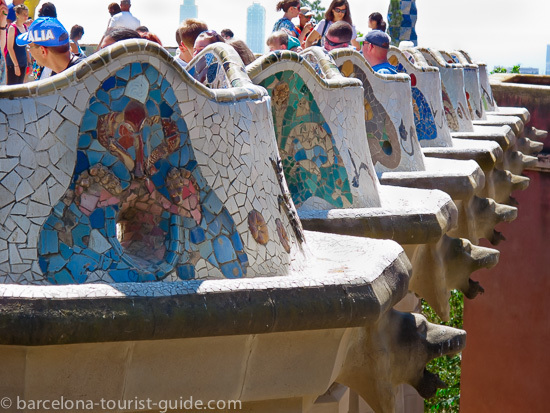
(497, 32)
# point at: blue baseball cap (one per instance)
(45, 31)
(377, 38)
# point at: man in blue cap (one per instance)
(375, 48)
(48, 43)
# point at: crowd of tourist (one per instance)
(39, 48)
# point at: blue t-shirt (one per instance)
(385, 69)
(284, 23)
(11, 13)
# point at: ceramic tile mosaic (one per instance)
(135, 172)
(471, 84)
(429, 113)
(2, 69)
(389, 120)
(217, 68)
(313, 166)
(452, 88)
(406, 30)
(324, 169)
(489, 104)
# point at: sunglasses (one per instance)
(334, 44)
(338, 10)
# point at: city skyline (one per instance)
(255, 27)
(548, 59)
(485, 29)
(188, 10)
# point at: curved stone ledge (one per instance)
(337, 292)
(407, 216)
(97, 61)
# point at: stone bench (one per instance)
(435, 137)
(160, 201)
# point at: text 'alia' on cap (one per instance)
(45, 31)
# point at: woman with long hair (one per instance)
(376, 22)
(16, 59)
(337, 11)
(292, 10)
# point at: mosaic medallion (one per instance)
(382, 136)
(312, 164)
(258, 227)
(138, 207)
(283, 237)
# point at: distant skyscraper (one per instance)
(188, 10)
(255, 28)
(548, 59)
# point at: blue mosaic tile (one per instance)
(186, 272)
(232, 270)
(109, 83)
(127, 131)
(84, 141)
(62, 277)
(56, 263)
(197, 235)
(65, 251)
(124, 73)
(89, 122)
(224, 250)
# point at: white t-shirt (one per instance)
(321, 27)
(124, 19)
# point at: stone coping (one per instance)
(460, 179)
(438, 58)
(410, 66)
(100, 59)
(348, 52)
(462, 62)
(351, 294)
(406, 215)
(332, 78)
(503, 135)
(486, 153)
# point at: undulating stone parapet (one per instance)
(453, 80)
(126, 170)
(306, 82)
(431, 115)
(462, 180)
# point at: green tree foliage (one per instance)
(395, 21)
(316, 8)
(498, 69)
(448, 367)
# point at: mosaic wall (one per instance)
(429, 115)
(471, 85)
(452, 91)
(312, 163)
(489, 104)
(324, 152)
(150, 179)
(208, 71)
(389, 122)
(136, 168)
(406, 30)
